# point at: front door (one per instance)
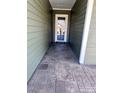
(61, 23)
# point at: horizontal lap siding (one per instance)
(77, 25)
(90, 57)
(38, 32)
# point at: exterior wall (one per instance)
(90, 57)
(38, 32)
(53, 21)
(77, 25)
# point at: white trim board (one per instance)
(86, 30)
(61, 9)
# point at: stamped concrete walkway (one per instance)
(59, 72)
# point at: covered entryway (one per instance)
(61, 46)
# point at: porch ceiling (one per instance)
(62, 4)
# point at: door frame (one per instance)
(66, 32)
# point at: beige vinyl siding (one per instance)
(90, 57)
(38, 32)
(77, 25)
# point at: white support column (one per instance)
(86, 30)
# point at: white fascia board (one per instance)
(61, 9)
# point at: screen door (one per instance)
(61, 22)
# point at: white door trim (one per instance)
(66, 20)
(86, 30)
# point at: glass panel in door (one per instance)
(61, 28)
